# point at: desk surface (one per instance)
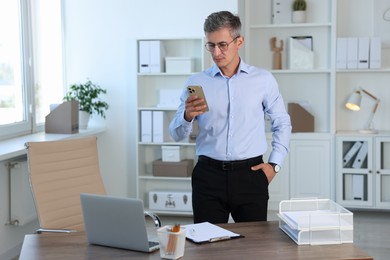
(263, 240)
(12, 148)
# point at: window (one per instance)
(31, 67)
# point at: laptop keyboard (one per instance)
(153, 243)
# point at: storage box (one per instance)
(170, 200)
(316, 222)
(173, 169)
(179, 64)
(301, 119)
(171, 153)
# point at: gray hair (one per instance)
(223, 19)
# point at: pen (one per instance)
(219, 238)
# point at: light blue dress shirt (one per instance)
(234, 127)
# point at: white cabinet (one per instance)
(310, 168)
(363, 170)
(306, 172)
(157, 93)
(278, 189)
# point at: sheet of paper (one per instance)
(315, 219)
(205, 231)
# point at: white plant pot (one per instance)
(83, 119)
(299, 16)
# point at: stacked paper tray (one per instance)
(316, 221)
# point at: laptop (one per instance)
(116, 222)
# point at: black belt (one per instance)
(231, 165)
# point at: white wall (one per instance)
(101, 45)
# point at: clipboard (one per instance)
(206, 232)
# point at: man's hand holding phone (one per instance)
(196, 103)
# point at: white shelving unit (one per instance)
(373, 174)
(324, 88)
(148, 89)
(311, 169)
(315, 87)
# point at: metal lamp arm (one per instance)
(371, 118)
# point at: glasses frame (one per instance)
(221, 45)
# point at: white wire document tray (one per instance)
(315, 221)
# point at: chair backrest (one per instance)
(59, 172)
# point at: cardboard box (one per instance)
(171, 153)
(173, 169)
(64, 119)
(170, 200)
(179, 64)
(301, 119)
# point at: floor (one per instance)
(371, 231)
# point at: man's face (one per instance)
(225, 48)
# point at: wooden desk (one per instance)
(263, 240)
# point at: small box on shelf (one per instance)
(179, 64)
(173, 169)
(172, 153)
(170, 200)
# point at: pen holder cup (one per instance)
(172, 244)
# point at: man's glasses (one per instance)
(223, 46)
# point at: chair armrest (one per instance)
(154, 217)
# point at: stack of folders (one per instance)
(358, 53)
(154, 126)
(356, 154)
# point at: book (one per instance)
(281, 11)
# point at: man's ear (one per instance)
(240, 41)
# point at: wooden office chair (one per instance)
(59, 172)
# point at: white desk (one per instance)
(12, 148)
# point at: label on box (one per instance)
(170, 200)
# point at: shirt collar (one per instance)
(242, 67)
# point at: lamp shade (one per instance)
(354, 101)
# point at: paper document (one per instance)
(207, 232)
(316, 219)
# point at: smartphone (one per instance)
(198, 91)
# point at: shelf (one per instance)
(291, 25)
(311, 71)
(363, 70)
(167, 143)
(164, 74)
(154, 178)
(158, 108)
(170, 213)
(150, 86)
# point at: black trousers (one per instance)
(220, 189)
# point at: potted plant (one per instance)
(87, 95)
(299, 11)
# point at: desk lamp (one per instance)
(354, 105)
